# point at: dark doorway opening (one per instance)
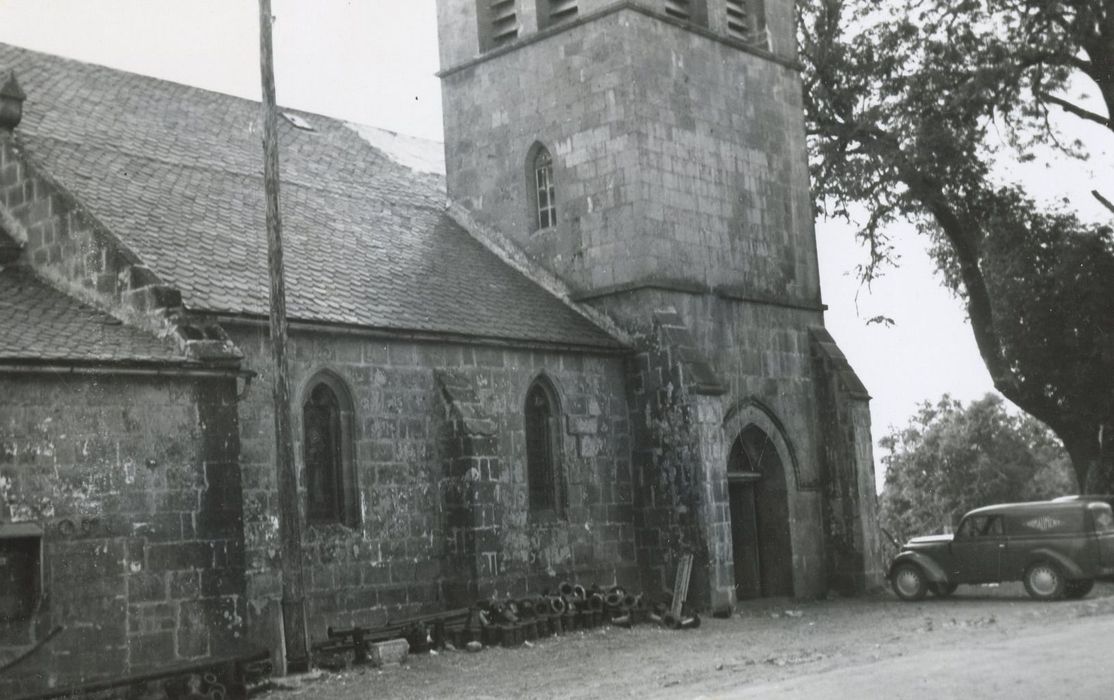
(759, 501)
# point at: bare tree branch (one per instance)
(1078, 111)
(1103, 200)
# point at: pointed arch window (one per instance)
(543, 454)
(330, 477)
(545, 194)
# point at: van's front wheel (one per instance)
(1044, 581)
(909, 582)
(1078, 589)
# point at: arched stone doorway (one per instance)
(758, 497)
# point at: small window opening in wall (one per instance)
(551, 12)
(543, 472)
(330, 477)
(20, 570)
(544, 189)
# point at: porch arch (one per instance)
(759, 463)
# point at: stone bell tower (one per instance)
(651, 153)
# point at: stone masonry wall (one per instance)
(135, 482)
(851, 508)
(66, 245)
(459, 36)
(406, 557)
(761, 354)
(679, 466)
(678, 160)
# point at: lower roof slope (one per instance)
(175, 172)
(39, 323)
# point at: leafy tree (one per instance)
(952, 458)
(910, 107)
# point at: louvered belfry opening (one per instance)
(558, 11)
(504, 21)
(679, 9)
(738, 20)
(498, 23)
(688, 11)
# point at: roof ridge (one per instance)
(167, 81)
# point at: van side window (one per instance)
(980, 526)
(1103, 517)
(971, 527)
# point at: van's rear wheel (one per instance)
(1044, 581)
(909, 582)
(1078, 589)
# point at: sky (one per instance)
(374, 62)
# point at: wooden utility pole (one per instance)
(290, 524)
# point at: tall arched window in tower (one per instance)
(543, 455)
(331, 495)
(544, 199)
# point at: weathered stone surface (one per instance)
(137, 549)
(684, 168)
(392, 651)
(440, 470)
(683, 212)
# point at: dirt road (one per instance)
(1069, 658)
(985, 642)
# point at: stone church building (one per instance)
(593, 344)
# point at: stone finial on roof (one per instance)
(11, 100)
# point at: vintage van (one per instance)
(1056, 548)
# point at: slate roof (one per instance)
(38, 322)
(176, 173)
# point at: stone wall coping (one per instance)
(729, 292)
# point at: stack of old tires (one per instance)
(512, 622)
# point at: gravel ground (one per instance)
(766, 641)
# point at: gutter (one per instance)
(415, 336)
(129, 370)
